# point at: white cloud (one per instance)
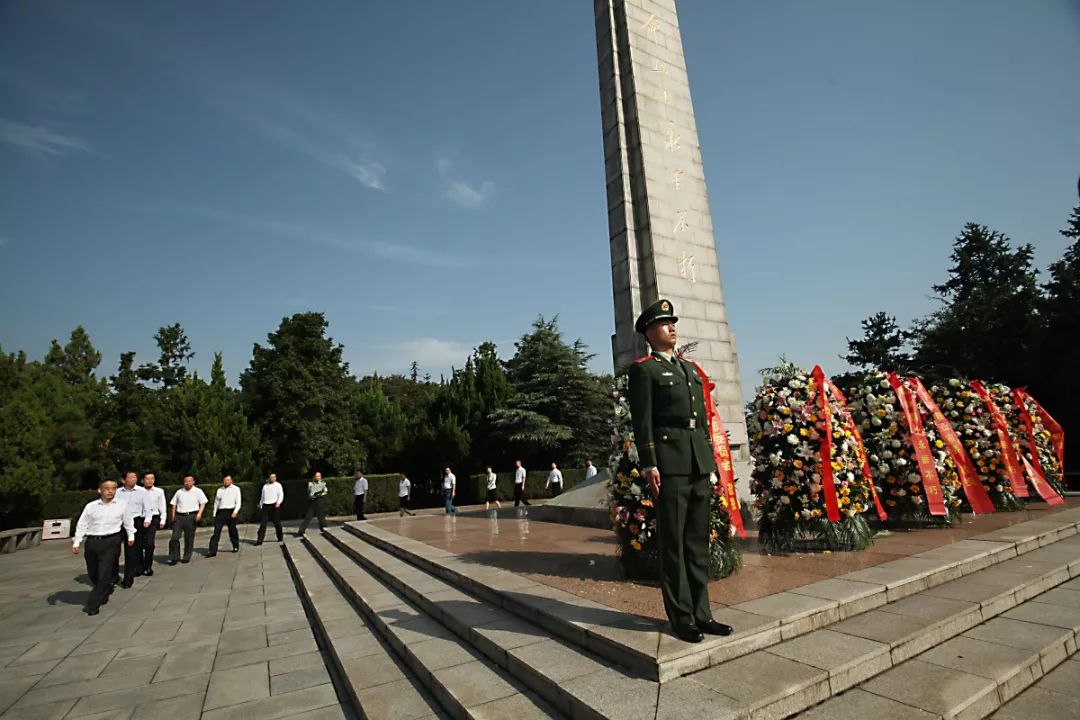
(40, 140)
(409, 255)
(461, 193)
(354, 161)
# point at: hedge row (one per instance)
(381, 497)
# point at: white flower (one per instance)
(901, 462)
(887, 455)
(785, 500)
(875, 421)
(851, 477)
(913, 478)
(895, 443)
(792, 440)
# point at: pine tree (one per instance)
(174, 354)
(881, 347)
(988, 324)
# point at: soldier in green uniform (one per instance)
(667, 406)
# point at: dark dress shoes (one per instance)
(126, 584)
(210, 555)
(173, 562)
(149, 573)
(715, 628)
(688, 633)
(236, 549)
(92, 611)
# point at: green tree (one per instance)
(988, 324)
(296, 390)
(27, 474)
(212, 436)
(882, 346)
(557, 410)
(77, 360)
(174, 353)
(1055, 382)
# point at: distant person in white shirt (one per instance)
(103, 526)
(360, 488)
(554, 481)
(492, 490)
(404, 493)
(270, 499)
(188, 504)
(134, 497)
(155, 513)
(590, 470)
(519, 484)
(449, 490)
(226, 509)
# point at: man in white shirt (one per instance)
(554, 480)
(270, 499)
(404, 492)
(519, 484)
(188, 504)
(590, 470)
(155, 513)
(449, 490)
(103, 525)
(134, 497)
(226, 509)
(492, 495)
(360, 488)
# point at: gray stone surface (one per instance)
(151, 652)
(861, 704)
(660, 227)
(938, 690)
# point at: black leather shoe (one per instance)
(149, 573)
(258, 542)
(236, 549)
(92, 611)
(126, 584)
(186, 560)
(173, 562)
(715, 628)
(688, 633)
(210, 555)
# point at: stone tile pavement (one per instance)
(219, 638)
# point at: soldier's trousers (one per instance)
(683, 526)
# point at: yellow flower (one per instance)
(804, 432)
(635, 544)
(635, 473)
(788, 427)
(939, 444)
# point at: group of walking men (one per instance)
(126, 517)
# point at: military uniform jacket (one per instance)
(664, 397)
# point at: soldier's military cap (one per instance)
(659, 310)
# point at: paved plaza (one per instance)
(507, 617)
(219, 638)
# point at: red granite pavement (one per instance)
(584, 561)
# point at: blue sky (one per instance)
(430, 174)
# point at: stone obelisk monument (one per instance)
(658, 208)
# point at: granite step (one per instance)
(974, 674)
(646, 648)
(563, 674)
(467, 684)
(378, 686)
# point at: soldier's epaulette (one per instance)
(644, 359)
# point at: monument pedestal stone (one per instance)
(661, 236)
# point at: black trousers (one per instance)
(132, 555)
(358, 506)
(556, 489)
(316, 508)
(222, 518)
(183, 524)
(519, 494)
(100, 554)
(147, 542)
(682, 523)
(273, 514)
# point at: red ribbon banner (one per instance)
(1035, 473)
(925, 461)
(721, 453)
(1057, 434)
(828, 483)
(977, 497)
(860, 449)
(1008, 452)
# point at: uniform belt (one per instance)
(676, 422)
(98, 537)
(187, 513)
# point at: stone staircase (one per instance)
(953, 632)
